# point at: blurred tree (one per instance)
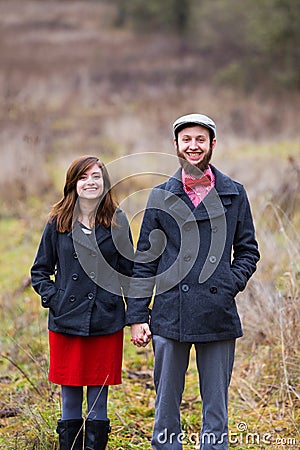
(275, 32)
(181, 13)
(242, 40)
(167, 15)
(122, 9)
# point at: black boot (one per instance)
(96, 434)
(70, 434)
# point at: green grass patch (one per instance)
(264, 399)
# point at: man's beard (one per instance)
(197, 169)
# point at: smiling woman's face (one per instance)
(90, 184)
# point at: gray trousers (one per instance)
(214, 364)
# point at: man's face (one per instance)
(194, 147)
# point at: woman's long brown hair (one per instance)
(66, 211)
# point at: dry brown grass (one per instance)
(267, 373)
(70, 84)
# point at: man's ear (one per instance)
(213, 143)
(175, 143)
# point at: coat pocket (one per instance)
(228, 281)
(235, 288)
(56, 301)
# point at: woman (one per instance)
(81, 270)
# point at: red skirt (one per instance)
(85, 361)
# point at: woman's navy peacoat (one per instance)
(198, 259)
(84, 294)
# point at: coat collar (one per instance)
(223, 184)
(211, 207)
(89, 241)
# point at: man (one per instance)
(202, 253)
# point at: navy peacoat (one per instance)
(79, 277)
(196, 261)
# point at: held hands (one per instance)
(140, 334)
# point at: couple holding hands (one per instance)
(196, 251)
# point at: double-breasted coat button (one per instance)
(92, 275)
(213, 289)
(75, 276)
(212, 259)
(44, 299)
(187, 257)
(185, 288)
(90, 296)
(72, 298)
(214, 229)
(75, 256)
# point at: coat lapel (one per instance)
(92, 241)
(176, 199)
(213, 205)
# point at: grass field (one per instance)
(264, 394)
(71, 84)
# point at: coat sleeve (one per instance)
(44, 265)
(126, 252)
(245, 247)
(149, 248)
